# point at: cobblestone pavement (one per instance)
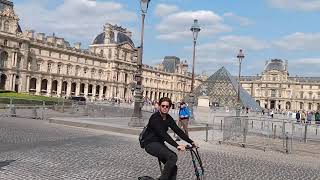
(34, 149)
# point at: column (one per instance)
(59, 87)
(77, 93)
(9, 85)
(49, 87)
(101, 91)
(86, 87)
(13, 82)
(15, 57)
(68, 93)
(28, 83)
(12, 59)
(94, 88)
(38, 86)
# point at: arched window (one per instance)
(6, 26)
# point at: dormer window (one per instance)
(6, 26)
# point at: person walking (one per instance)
(317, 117)
(309, 117)
(156, 135)
(298, 117)
(184, 115)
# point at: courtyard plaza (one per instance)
(37, 149)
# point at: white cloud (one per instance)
(176, 26)
(306, 61)
(75, 19)
(228, 46)
(302, 5)
(165, 9)
(299, 41)
(243, 21)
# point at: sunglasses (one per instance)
(165, 106)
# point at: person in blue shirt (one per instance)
(184, 115)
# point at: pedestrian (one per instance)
(155, 107)
(298, 117)
(184, 115)
(309, 117)
(303, 117)
(271, 114)
(317, 117)
(156, 135)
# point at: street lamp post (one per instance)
(195, 29)
(136, 119)
(158, 95)
(240, 57)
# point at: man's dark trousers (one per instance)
(167, 157)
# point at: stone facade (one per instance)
(47, 65)
(275, 89)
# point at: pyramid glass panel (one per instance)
(222, 90)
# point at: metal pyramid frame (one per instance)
(222, 89)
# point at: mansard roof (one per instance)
(121, 38)
(275, 64)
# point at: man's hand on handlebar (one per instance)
(195, 145)
(181, 147)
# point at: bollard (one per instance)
(317, 130)
(221, 125)
(34, 113)
(305, 132)
(287, 143)
(12, 109)
(252, 124)
(244, 137)
(43, 109)
(207, 129)
(275, 131)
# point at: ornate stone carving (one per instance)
(8, 12)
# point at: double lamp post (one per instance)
(136, 119)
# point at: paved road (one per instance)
(34, 149)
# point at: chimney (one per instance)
(30, 33)
(60, 41)
(108, 33)
(77, 45)
(286, 65)
(40, 36)
(51, 39)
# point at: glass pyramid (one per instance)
(222, 88)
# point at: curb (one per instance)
(105, 127)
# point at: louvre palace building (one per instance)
(275, 89)
(37, 64)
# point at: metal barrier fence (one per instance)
(265, 133)
(31, 108)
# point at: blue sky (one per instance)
(264, 29)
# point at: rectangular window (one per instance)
(49, 67)
(38, 67)
(273, 93)
(59, 68)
